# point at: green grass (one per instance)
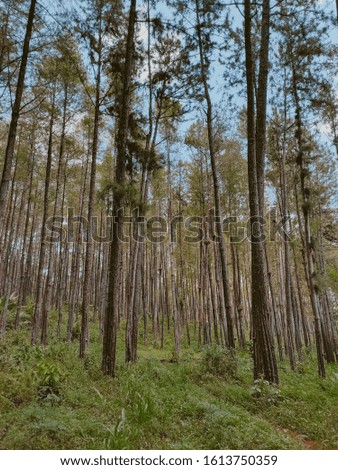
(50, 399)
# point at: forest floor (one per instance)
(50, 399)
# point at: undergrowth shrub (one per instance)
(76, 332)
(141, 401)
(265, 393)
(118, 435)
(26, 353)
(141, 404)
(26, 312)
(19, 387)
(49, 378)
(91, 365)
(219, 362)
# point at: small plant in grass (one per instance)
(155, 344)
(220, 362)
(303, 365)
(140, 402)
(302, 368)
(264, 393)
(30, 306)
(175, 357)
(11, 311)
(144, 407)
(27, 353)
(92, 367)
(118, 437)
(26, 313)
(76, 332)
(49, 378)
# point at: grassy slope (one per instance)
(156, 404)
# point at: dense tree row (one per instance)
(165, 172)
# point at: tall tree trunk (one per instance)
(36, 328)
(308, 239)
(49, 278)
(84, 339)
(25, 235)
(218, 212)
(174, 300)
(287, 265)
(111, 319)
(9, 153)
(263, 346)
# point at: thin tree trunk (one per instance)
(309, 243)
(84, 338)
(49, 279)
(111, 319)
(218, 213)
(9, 153)
(36, 328)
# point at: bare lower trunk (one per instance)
(111, 320)
(263, 346)
(218, 214)
(36, 329)
(84, 338)
(310, 254)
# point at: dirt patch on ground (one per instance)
(306, 443)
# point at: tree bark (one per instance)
(263, 346)
(36, 329)
(9, 153)
(218, 212)
(84, 338)
(308, 240)
(111, 320)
